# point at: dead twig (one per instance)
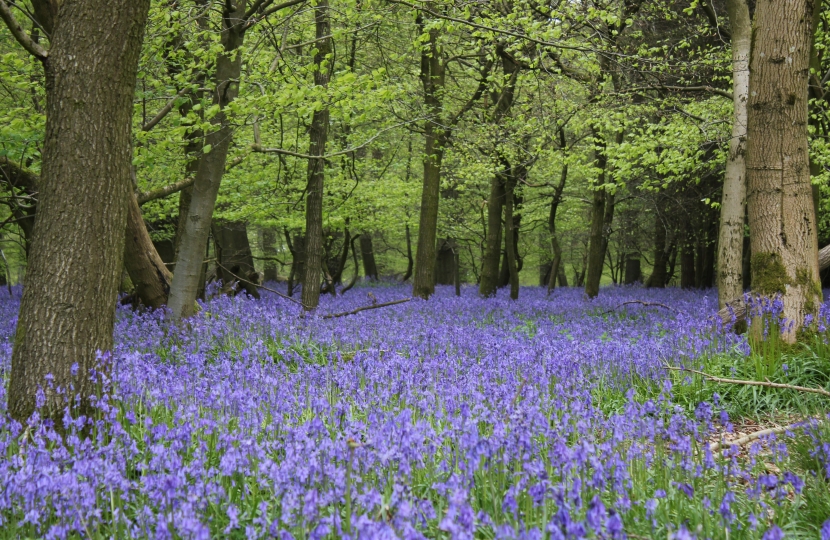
(263, 287)
(364, 308)
(642, 303)
(708, 377)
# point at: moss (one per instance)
(769, 277)
(811, 288)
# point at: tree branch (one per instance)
(164, 191)
(715, 446)
(819, 391)
(17, 176)
(164, 110)
(364, 308)
(19, 34)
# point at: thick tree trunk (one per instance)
(318, 135)
(445, 262)
(367, 253)
(269, 250)
(146, 269)
(188, 274)
(432, 79)
(782, 218)
(732, 210)
(68, 308)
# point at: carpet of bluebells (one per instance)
(453, 418)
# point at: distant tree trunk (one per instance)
(457, 272)
(633, 272)
(432, 78)
(687, 257)
(367, 253)
(445, 262)
(556, 264)
(67, 312)
(746, 266)
(356, 274)
(318, 135)
(269, 250)
(732, 210)
(233, 254)
(409, 260)
(659, 274)
(297, 249)
(782, 218)
(189, 264)
(337, 274)
(146, 269)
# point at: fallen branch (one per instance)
(715, 446)
(263, 287)
(364, 308)
(640, 302)
(769, 384)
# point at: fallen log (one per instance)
(735, 310)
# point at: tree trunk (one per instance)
(185, 287)
(659, 275)
(601, 217)
(318, 135)
(510, 236)
(782, 218)
(269, 250)
(146, 269)
(445, 262)
(688, 270)
(410, 263)
(492, 248)
(432, 78)
(233, 255)
(67, 312)
(367, 253)
(297, 249)
(633, 271)
(731, 234)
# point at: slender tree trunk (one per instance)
(779, 193)
(185, 287)
(432, 79)
(269, 250)
(67, 312)
(633, 272)
(731, 235)
(457, 272)
(318, 135)
(658, 275)
(234, 256)
(601, 218)
(367, 253)
(146, 269)
(688, 270)
(297, 249)
(410, 262)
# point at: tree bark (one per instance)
(367, 253)
(188, 274)
(445, 262)
(269, 250)
(234, 255)
(659, 274)
(732, 211)
(67, 312)
(633, 272)
(782, 218)
(318, 135)
(596, 252)
(492, 248)
(410, 263)
(510, 236)
(432, 79)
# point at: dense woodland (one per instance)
(160, 153)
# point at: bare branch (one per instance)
(164, 110)
(164, 191)
(714, 447)
(364, 308)
(19, 34)
(642, 303)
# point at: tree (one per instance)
(67, 312)
(782, 218)
(731, 233)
